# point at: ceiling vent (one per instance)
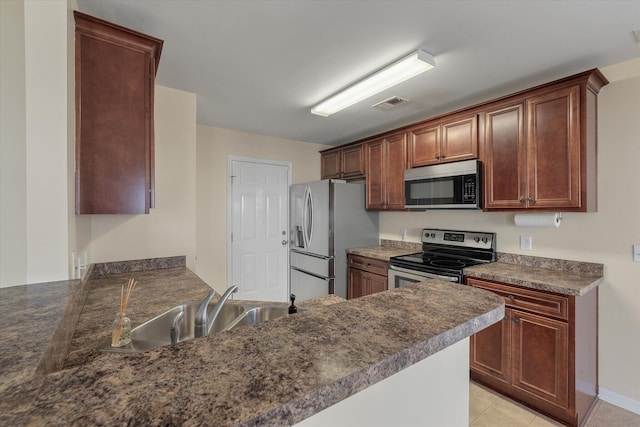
(390, 103)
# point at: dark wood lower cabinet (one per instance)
(540, 356)
(490, 349)
(366, 276)
(543, 353)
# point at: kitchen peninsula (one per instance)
(277, 373)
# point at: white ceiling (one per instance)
(259, 66)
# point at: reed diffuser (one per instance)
(122, 324)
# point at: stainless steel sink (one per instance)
(259, 314)
(157, 331)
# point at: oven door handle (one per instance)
(423, 274)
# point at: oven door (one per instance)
(399, 277)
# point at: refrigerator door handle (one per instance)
(308, 217)
(326, 279)
(309, 254)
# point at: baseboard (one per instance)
(619, 400)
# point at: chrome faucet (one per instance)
(174, 333)
(203, 323)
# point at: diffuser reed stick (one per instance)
(125, 296)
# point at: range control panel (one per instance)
(469, 239)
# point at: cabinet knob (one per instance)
(516, 320)
(442, 156)
(531, 200)
(437, 156)
(521, 199)
(512, 297)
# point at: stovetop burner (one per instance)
(449, 251)
(435, 261)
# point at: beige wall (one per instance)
(215, 145)
(13, 176)
(170, 228)
(603, 237)
(35, 122)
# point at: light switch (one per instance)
(525, 243)
(636, 253)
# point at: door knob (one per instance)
(284, 243)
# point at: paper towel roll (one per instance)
(538, 220)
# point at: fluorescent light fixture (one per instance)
(401, 70)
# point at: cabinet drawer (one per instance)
(372, 265)
(527, 299)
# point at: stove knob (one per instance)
(485, 240)
(477, 239)
(433, 235)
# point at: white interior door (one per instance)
(259, 224)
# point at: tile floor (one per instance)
(487, 408)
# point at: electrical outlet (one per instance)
(636, 252)
(525, 243)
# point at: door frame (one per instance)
(233, 158)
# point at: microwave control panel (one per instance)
(469, 189)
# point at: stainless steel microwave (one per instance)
(446, 186)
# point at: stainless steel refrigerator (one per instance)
(327, 217)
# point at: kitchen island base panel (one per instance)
(432, 392)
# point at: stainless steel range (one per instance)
(445, 254)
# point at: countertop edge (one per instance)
(589, 282)
(325, 396)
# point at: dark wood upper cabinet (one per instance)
(115, 76)
(505, 162)
(540, 147)
(537, 147)
(443, 141)
(343, 163)
(386, 161)
(331, 164)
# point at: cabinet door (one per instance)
(540, 356)
(505, 160)
(424, 146)
(330, 165)
(115, 72)
(394, 167)
(352, 162)
(357, 283)
(459, 140)
(490, 350)
(377, 283)
(375, 175)
(553, 139)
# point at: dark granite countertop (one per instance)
(545, 274)
(272, 373)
